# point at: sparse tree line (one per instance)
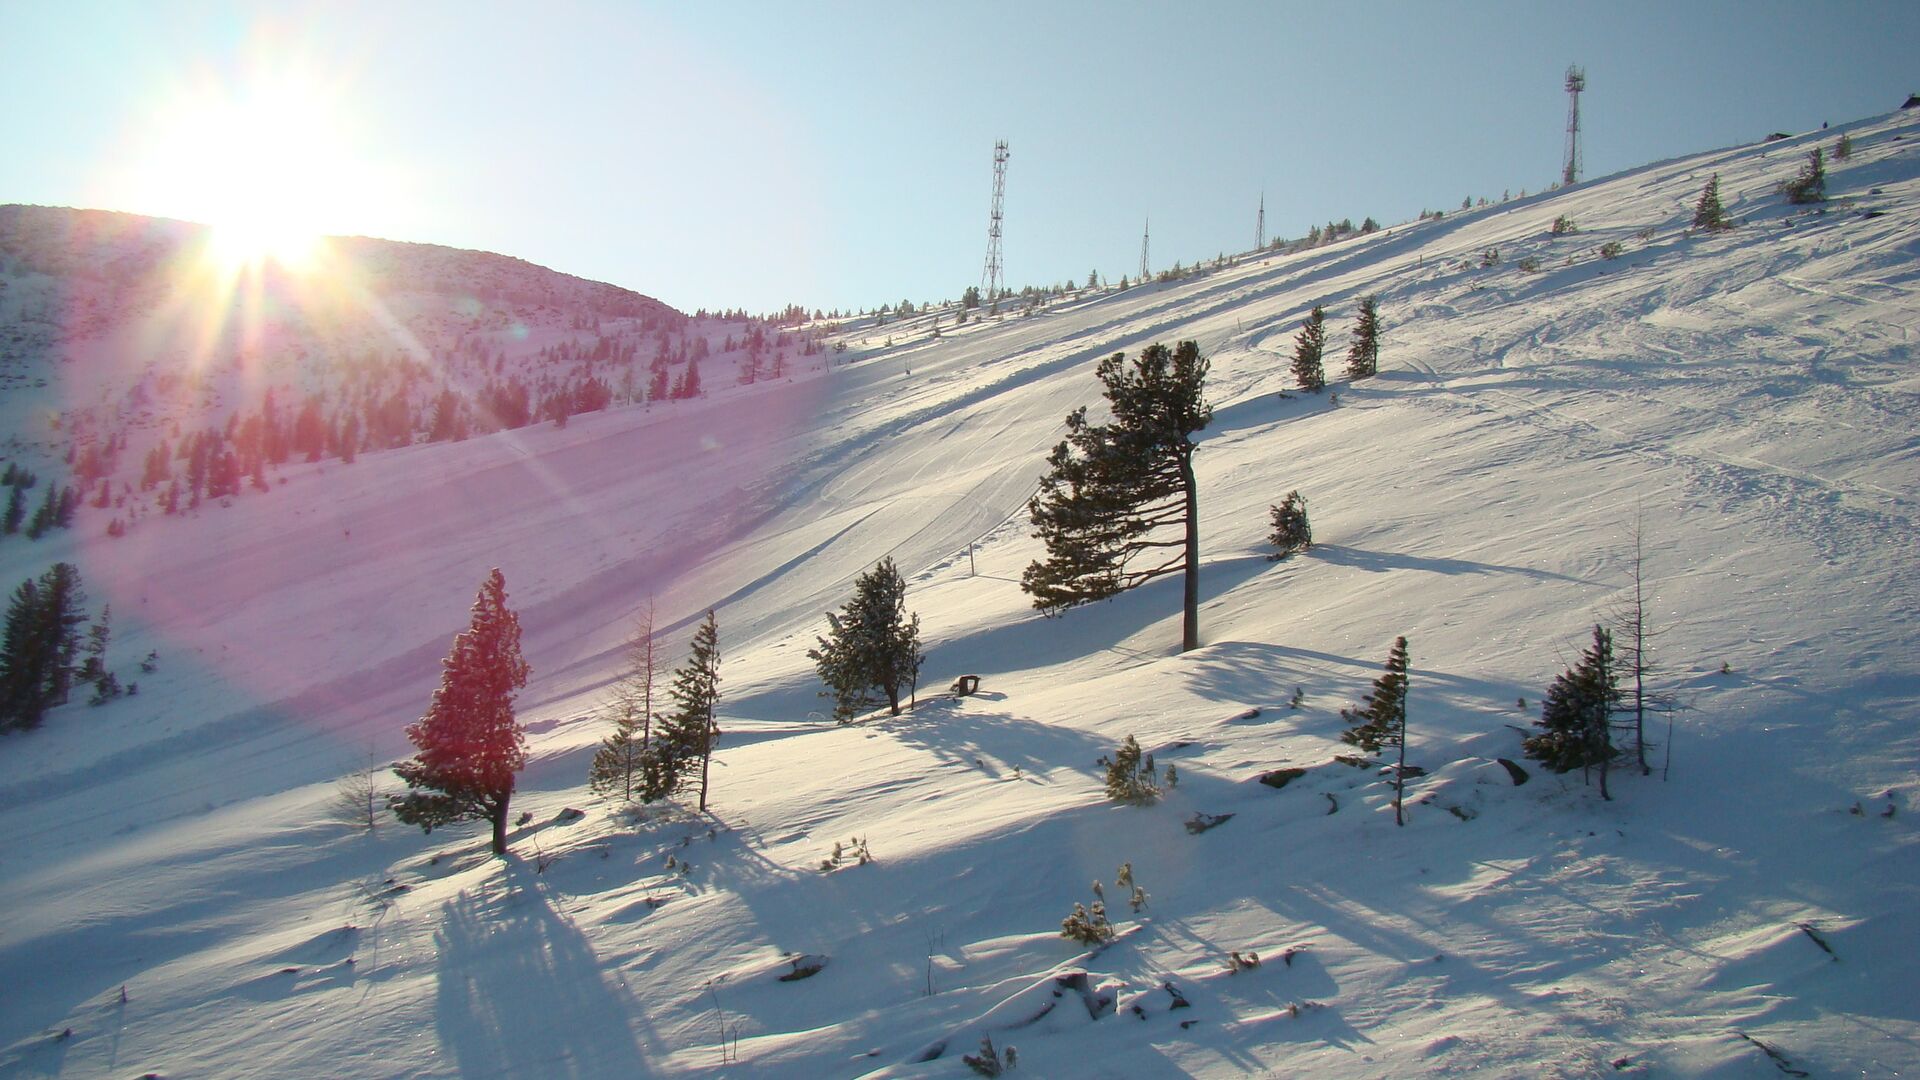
(1363, 355)
(51, 647)
(53, 510)
(384, 402)
(1118, 507)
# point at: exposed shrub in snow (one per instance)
(988, 1062)
(1843, 149)
(1291, 533)
(1131, 778)
(1810, 185)
(1564, 226)
(1088, 926)
(852, 853)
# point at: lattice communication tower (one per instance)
(1576, 82)
(1144, 233)
(993, 280)
(1260, 225)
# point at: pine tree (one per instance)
(621, 757)
(43, 517)
(1810, 186)
(1363, 356)
(94, 668)
(470, 744)
(1381, 721)
(38, 645)
(1708, 213)
(1112, 490)
(62, 609)
(1291, 532)
(16, 511)
(872, 645)
(1308, 373)
(1576, 716)
(1131, 777)
(689, 732)
(24, 660)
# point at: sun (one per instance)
(266, 161)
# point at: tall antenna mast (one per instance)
(1260, 225)
(1143, 248)
(1576, 82)
(992, 281)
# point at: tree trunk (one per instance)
(1400, 771)
(1190, 616)
(500, 823)
(706, 758)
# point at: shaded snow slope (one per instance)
(1751, 396)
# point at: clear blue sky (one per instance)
(839, 155)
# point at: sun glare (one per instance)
(266, 162)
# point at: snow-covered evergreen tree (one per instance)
(470, 745)
(1576, 729)
(1380, 722)
(1308, 372)
(1112, 490)
(871, 652)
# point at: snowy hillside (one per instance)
(178, 897)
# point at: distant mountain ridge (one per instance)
(125, 250)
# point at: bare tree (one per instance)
(1636, 643)
(358, 797)
(630, 706)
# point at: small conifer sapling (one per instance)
(1381, 721)
(1308, 372)
(1291, 531)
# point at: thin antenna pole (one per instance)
(1260, 225)
(1144, 233)
(1576, 82)
(992, 278)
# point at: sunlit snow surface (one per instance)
(1751, 396)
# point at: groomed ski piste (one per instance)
(178, 897)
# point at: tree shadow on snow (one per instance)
(1383, 561)
(521, 992)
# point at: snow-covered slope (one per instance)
(1750, 396)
